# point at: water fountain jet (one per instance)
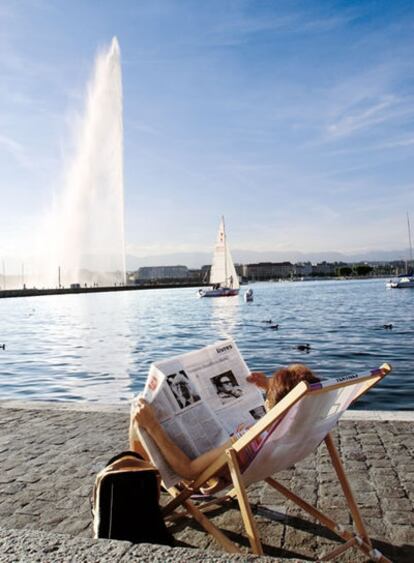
(85, 230)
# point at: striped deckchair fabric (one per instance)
(287, 434)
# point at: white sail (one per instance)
(223, 271)
(232, 277)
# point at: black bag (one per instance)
(125, 502)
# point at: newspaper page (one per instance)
(200, 399)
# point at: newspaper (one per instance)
(200, 398)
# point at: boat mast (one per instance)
(225, 252)
(409, 242)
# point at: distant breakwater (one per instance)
(94, 289)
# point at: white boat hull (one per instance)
(401, 283)
(220, 292)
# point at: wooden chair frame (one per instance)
(181, 496)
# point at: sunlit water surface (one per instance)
(98, 347)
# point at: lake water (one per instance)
(98, 347)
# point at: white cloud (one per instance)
(375, 112)
(15, 149)
(236, 28)
(397, 143)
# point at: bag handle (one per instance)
(123, 454)
(129, 459)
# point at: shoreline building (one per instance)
(263, 271)
(153, 273)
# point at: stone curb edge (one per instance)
(403, 416)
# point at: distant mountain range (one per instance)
(198, 259)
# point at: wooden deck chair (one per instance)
(288, 433)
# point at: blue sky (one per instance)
(294, 119)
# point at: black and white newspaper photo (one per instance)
(227, 387)
(182, 389)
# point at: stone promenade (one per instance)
(50, 454)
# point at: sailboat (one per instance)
(405, 280)
(223, 276)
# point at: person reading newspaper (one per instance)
(143, 416)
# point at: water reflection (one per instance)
(225, 315)
(67, 347)
(98, 347)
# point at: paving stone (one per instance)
(11, 488)
(376, 525)
(405, 534)
(7, 509)
(6, 479)
(397, 517)
(402, 504)
(390, 492)
(331, 502)
(50, 456)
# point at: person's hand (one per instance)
(259, 379)
(144, 415)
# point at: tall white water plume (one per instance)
(86, 231)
